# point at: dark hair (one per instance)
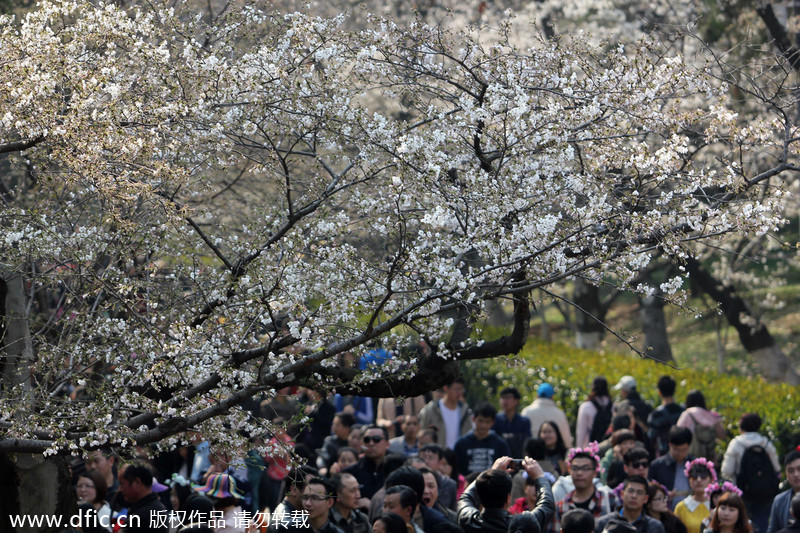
(621, 421)
(392, 522)
(485, 409)
(373, 426)
(653, 488)
(635, 479)
(750, 422)
(138, 471)
(346, 419)
(344, 449)
(297, 477)
(730, 499)
(699, 470)
(695, 398)
(577, 521)
(198, 503)
(622, 435)
(635, 454)
(523, 523)
(407, 476)
(584, 455)
(511, 390)
(599, 388)
(535, 449)
(99, 482)
(666, 386)
(408, 498)
(795, 505)
(679, 436)
(561, 448)
(452, 459)
(459, 379)
(790, 457)
(493, 488)
(330, 490)
(435, 448)
(436, 475)
(337, 481)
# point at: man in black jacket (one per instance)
(145, 509)
(668, 469)
(492, 489)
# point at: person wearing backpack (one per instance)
(594, 415)
(664, 416)
(752, 463)
(706, 426)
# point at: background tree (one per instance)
(186, 202)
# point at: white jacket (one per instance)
(735, 451)
(543, 410)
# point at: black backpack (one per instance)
(602, 420)
(757, 477)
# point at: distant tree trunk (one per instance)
(654, 324)
(753, 333)
(718, 327)
(589, 315)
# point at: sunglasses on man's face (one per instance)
(640, 464)
(369, 439)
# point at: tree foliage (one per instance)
(200, 209)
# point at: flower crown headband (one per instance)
(701, 461)
(726, 486)
(592, 449)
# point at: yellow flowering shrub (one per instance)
(571, 371)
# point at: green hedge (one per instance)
(571, 372)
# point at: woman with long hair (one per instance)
(599, 399)
(448, 466)
(658, 507)
(730, 515)
(555, 448)
(91, 489)
(695, 507)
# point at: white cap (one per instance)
(626, 383)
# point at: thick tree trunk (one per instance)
(654, 324)
(35, 486)
(16, 349)
(589, 314)
(753, 333)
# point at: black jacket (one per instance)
(140, 514)
(663, 470)
(473, 520)
(370, 476)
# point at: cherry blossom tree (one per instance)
(197, 210)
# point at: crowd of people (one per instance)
(430, 465)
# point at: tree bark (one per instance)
(654, 324)
(34, 486)
(16, 349)
(589, 313)
(753, 333)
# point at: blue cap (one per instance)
(545, 390)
